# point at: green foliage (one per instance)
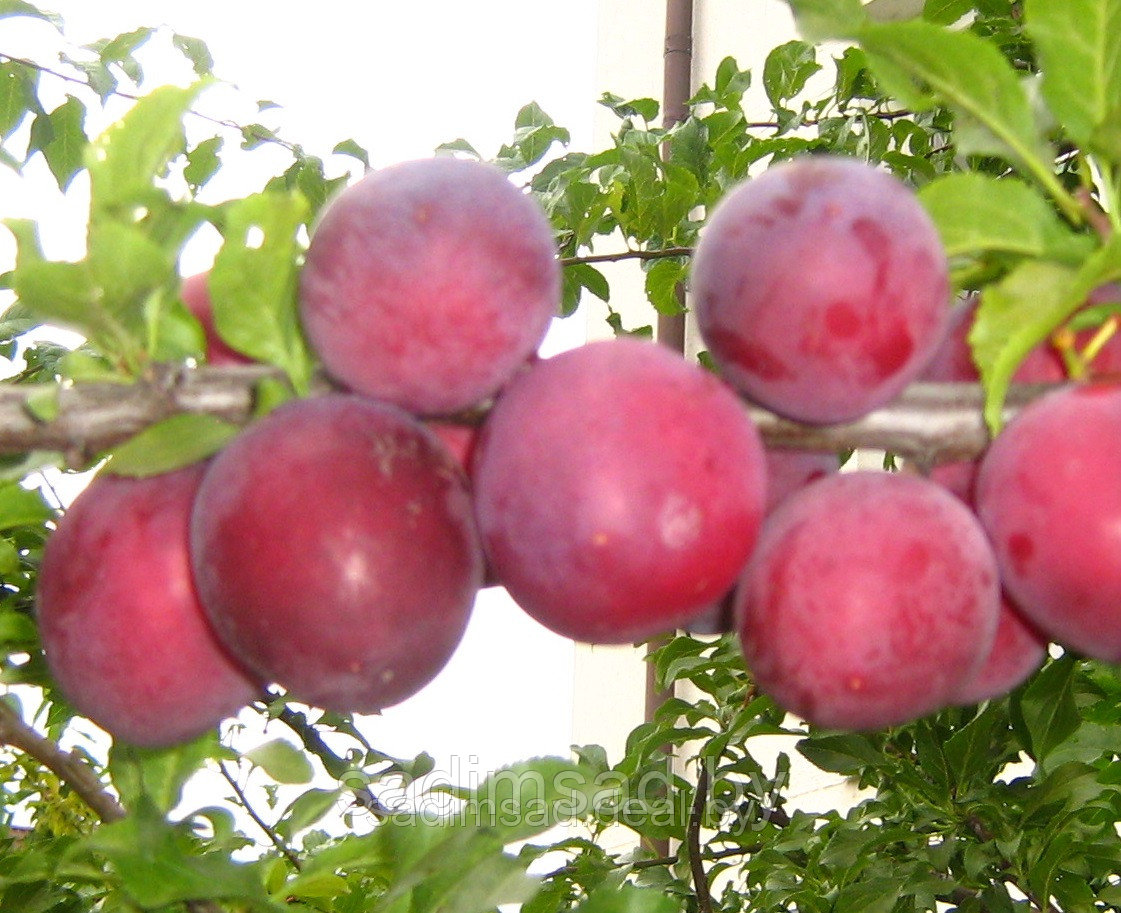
(1003, 115)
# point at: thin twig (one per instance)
(268, 829)
(268, 137)
(661, 254)
(335, 765)
(693, 840)
(69, 767)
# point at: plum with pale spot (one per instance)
(335, 551)
(618, 490)
(869, 600)
(429, 283)
(821, 288)
(1049, 496)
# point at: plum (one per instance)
(1049, 497)
(821, 288)
(197, 298)
(618, 490)
(954, 362)
(125, 636)
(428, 284)
(335, 551)
(789, 471)
(1018, 650)
(870, 598)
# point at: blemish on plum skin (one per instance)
(748, 356)
(1020, 552)
(842, 320)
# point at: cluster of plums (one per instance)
(617, 490)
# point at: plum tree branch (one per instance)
(693, 841)
(69, 767)
(929, 423)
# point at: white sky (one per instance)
(400, 78)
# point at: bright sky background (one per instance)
(400, 78)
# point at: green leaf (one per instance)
(126, 266)
(60, 137)
(20, 506)
(126, 159)
(203, 162)
(171, 444)
(977, 213)
(1019, 312)
(968, 752)
(818, 20)
(156, 776)
(282, 761)
(847, 753)
(529, 798)
(196, 51)
(787, 69)
(10, 8)
(254, 278)
(1047, 707)
(1079, 46)
(923, 64)
(17, 96)
(306, 809)
(946, 12)
(662, 279)
(354, 150)
(876, 895)
(156, 865)
(628, 898)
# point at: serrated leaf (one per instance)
(847, 753)
(875, 895)
(926, 64)
(171, 444)
(203, 162)
(196, 51)
(306, 809)
(126, 159)
(282, 761)
(10, 8)
(819, 20)
(354, 149)
(1048, 709)
(663, 277)
(1023, 309)
(253, 282)
(17, 96)
(61, 139)
(1079, 46)
(525, 799)
(977, 213)
(787, 69)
